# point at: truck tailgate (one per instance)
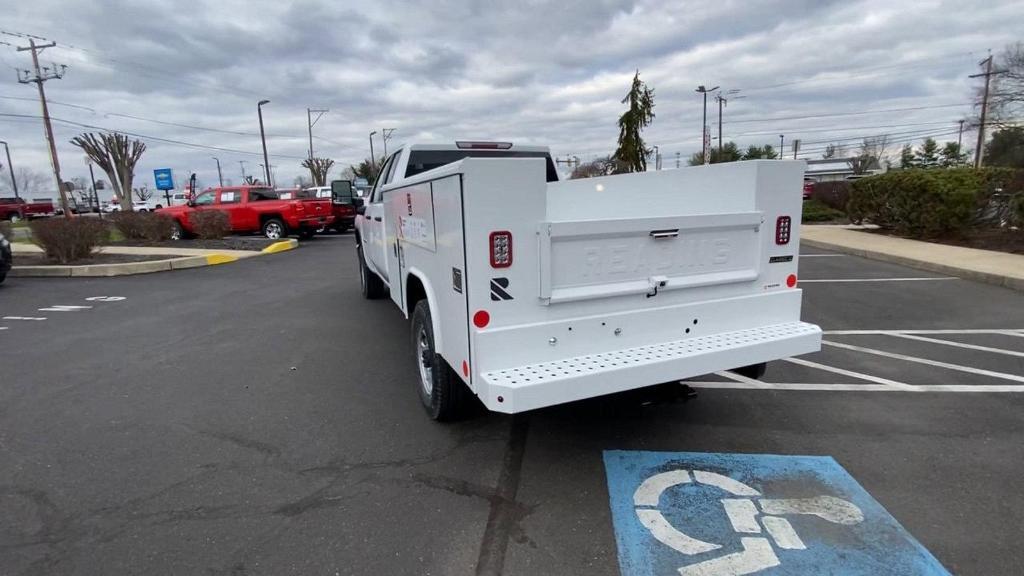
(587, 259)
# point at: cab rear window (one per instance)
(423, 160)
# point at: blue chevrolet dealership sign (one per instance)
(704, 514)
(164, 179)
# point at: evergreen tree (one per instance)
(631, 153)
(928, 155)
(907, 157)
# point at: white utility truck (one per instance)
(528, 292)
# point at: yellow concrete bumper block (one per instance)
(281, 246)
(213, 259)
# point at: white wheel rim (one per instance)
(273, 231)
(422, 352)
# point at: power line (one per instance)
(153, 138)
(858, 113)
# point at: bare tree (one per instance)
(302, 182)
(834, 151)
(600, 167)
(318, 168)
(872, 151)
(29, 181)
(143, 194)
(117, 155)
(1006, 99)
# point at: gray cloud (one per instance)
(531, 71)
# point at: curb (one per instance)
(282, 246)
(965, 273)
(124, 269)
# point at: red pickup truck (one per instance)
(256, 209)
(15, 209)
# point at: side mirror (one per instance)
(361, 209)
(358, 202)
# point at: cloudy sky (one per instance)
(186, 76)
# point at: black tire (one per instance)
(177, 232)
(342, 229)
(754, 371)
(445, 400)
(3, 276)
(274, 229)
(371, 284)
(307, 233)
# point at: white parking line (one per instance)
(63, 308)
(868, 377)
(1007, 331)
(749, 382)
(959, 344)
(24, 318)
(838, 280)
(3, 327)
(801, 387)
(946, 365)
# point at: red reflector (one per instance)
(783, 227)
(791, 280)
(501, 249)
(465, 369)
(481, 319)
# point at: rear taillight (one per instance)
(783, 227)
(501, 249)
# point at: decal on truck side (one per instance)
(499, 289)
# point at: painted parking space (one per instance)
(707, 514)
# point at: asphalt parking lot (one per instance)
(260, 418)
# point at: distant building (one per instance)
(832, 169)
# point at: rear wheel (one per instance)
(754, 371)
(14, 218)
(274, 229)
(440, 390)
(372, 286)
(176, 232)
(307, 233)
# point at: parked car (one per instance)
(15, 209)
(256, 209)
(808, 189)
(5, 257)
(136, 206)
(340, 194)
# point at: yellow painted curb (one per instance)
(281, 246)
(213, 259)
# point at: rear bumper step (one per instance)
(546, 384)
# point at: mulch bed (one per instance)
(997, 239)
(22, 259)
(255, 243)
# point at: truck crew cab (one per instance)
(528, 292)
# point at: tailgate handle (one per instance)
(659, 234)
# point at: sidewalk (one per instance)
(999, 268)
(161, 250)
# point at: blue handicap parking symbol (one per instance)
(698, 514)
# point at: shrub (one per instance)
(149, 226)
(817, 211)
(68, 239)
(835, 195)
(917, 202)
(210, 224)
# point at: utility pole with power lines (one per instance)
(39, 76)
(385, 135)
(310, 122)
(979, 154)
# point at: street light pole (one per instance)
(10, 167)
(220, 177)
(263, 138)
(782, 139)
(704, 124)
(373, 159)
(242, 164)
(95, 192)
